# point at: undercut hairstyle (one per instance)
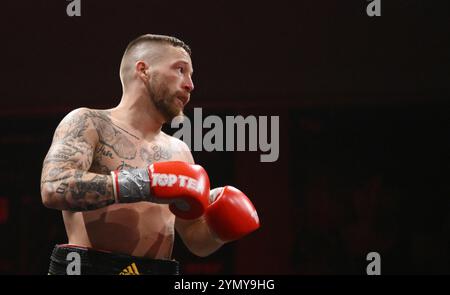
(146, 46)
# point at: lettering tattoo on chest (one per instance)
(110, 135)
(102, 155)
(156, 154)
(149, 157)
(101, 151)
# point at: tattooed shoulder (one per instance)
(112, 136)
(72, 145)
(73, 125)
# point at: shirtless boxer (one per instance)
(124, 186)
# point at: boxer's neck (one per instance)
(138, 112)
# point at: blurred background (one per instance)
(363, 104)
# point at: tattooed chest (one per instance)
(119, 148)
(110, 157)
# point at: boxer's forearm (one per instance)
(197, 236)
(77, 190)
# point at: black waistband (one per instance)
(65, 258)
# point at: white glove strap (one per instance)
(214, 194)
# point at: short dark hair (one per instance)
(160, 39)
(152, 41)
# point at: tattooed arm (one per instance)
(65, 182)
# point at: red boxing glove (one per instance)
(183, 186)
(186, 184)
(231, 215)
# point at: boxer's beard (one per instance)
(164, 101)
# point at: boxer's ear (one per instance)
(142, 70)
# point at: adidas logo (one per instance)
(130, 270)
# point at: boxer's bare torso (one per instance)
(140, 229)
